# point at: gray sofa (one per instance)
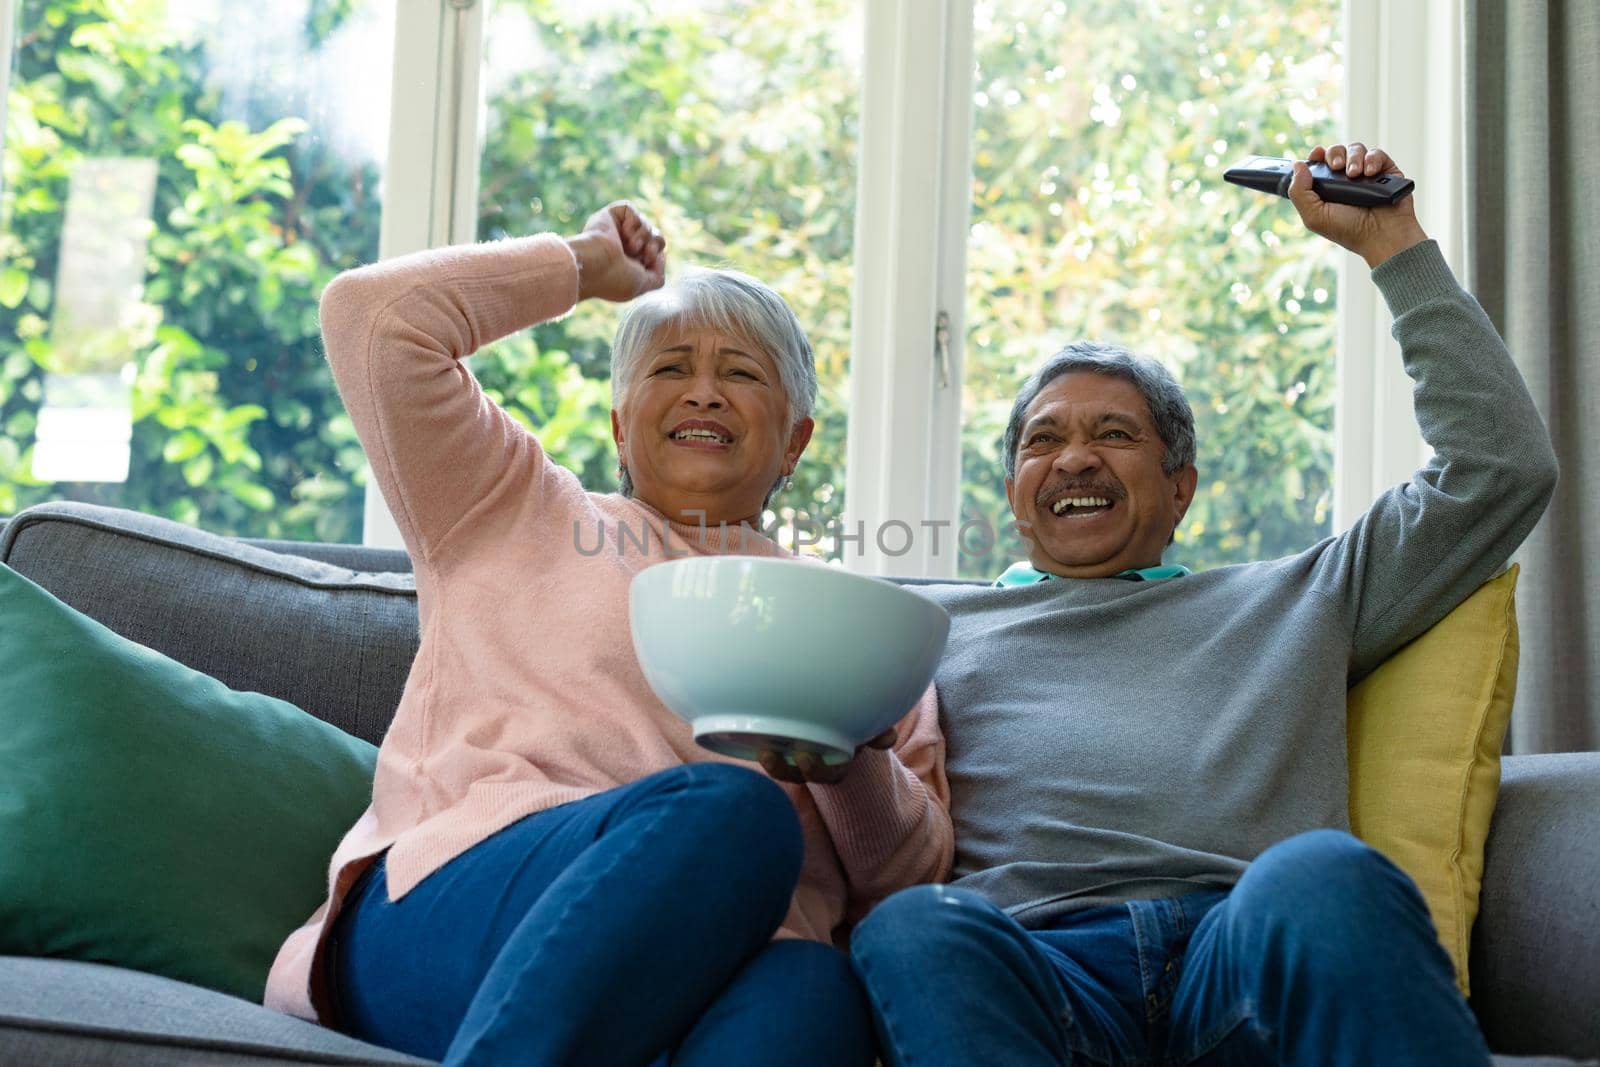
(333, 630)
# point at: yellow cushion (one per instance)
(1425, 731)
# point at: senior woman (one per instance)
(551, 871)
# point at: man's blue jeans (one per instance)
(1323, 953)
(621, 929)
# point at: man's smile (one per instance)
(1080, 508)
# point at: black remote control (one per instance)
(1270, 175)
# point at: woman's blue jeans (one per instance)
(1323, 953)
(628, 928)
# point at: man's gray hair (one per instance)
(1169, 408)
(733, 303)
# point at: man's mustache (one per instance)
(1051, 493)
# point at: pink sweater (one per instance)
(525, 692)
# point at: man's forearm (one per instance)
(1423, 547)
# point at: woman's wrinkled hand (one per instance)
(620, 254)
(1373, 233)
(808, 768)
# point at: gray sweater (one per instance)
(1112, 740)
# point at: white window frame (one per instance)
(1403, 90)
(913, 202)
(430, 183)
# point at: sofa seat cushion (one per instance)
(56, 1013)
(68, 1012)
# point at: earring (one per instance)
(788, 483)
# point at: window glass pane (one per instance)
(734, 126)
(1101, 130)
(179, 183)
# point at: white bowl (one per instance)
(778, 654)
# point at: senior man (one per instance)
(1147, 766)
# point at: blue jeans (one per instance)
(1323, 953)
(627, 928)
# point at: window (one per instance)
(1100, 132)
(179, 183)
(1052, 166)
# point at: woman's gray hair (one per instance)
(1169, 408)
(733, 303)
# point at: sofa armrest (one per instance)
(1535, 961)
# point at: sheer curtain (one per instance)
(1533, 249)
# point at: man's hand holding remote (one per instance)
(1374, 234)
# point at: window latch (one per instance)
(941, 348)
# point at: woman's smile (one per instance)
(702, 444)
(702, 435)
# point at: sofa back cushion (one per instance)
(336, 641)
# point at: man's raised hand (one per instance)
(1373, 233)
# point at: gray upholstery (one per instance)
(333, 629)
(66, 1012)
(1535, 961)
(354, 557)
(336, 642)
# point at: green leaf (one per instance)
(39, 290)
(253, 496)
(196, 157)
(183, 446)
(243, 416)
(198, 470)
(13, 286)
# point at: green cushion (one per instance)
(150, 816)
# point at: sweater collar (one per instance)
(744, 540)
(1025, 574)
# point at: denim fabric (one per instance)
(1323, 953)
(617, 930)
